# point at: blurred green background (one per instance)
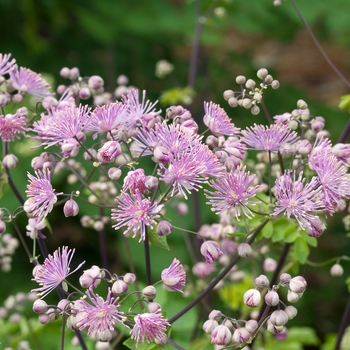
(110, 37)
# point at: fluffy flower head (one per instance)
(11, 125)
(5, 64)
(174, 277)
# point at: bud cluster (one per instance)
(251, 93)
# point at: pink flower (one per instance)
(26, 81)
(109, 152)
(297, 200)
(174, 277)
(100, 315)
(61, 124)
(11, 125)
(149, 327)
(136, 213)
(217, 120)
(135, 181)
(41, 195)
(54, 271)
(211, 251)
(233, 192)
(274, 138)
(5, 64)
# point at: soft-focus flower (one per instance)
(174, 277)
(148, 327)
(107, 118)
(99, 315)
(136, 213)
(298, 200)
(54, 271)
(203, 269)
(61, 125)
(274, 138)
(5, 64)
(233, 192)
(34, 227)
(217, 120)
(26, 81)
(41, 195)
(11, 125)
(221, 335)
(211, 251)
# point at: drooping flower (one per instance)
(11, 125)
(149, 327)
(34, 228)
(99, 315)
(61, 124)
(217, 120)
(54, 271)
(109, 152)
(233, 192)
(298, 200)
(135, 181)
(174, 277)
(274, 138)
(108, 117)
(211, 251)
(5, 64)
(136, 213)
(26, 81)
(41, 195)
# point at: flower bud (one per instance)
(272, 298)
(221, 335)
(262, 73)
(244, 250)
(240, 79)
(293, 297)
(63, 304)
(149, 292)
(233, 102)
(40, 306)
(2, 227)
(274, 329)
(251, 326)
(209, 326)
(211, 251)
(161, 154)
(269, 265)
(275, 84)
(119, 287)
(241, 335)
(151, 182)
(285, 279)
(10, 161)
(91, 155)
(182, 208)
(129, 278)
(336, 270)
(44, 318)
(95, 82)
(252, 297)
(154, 307)
(74, 73)
(297, 284)
(291, 311)
(303, 147)
(262, 280)
(255, 110)
(70, 208)
(250, 84)
(164, 228)
(279, 318)
(228, 94)
(64, 72)
(214, 314)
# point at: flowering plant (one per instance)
(272, 187)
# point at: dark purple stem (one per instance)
(147, 259)
(343, 325)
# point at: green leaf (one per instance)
(312, 241)
(304, 335)
(267, 231)
(301, 250)
(177, 96)
(130, 343)
(156, 240)
(345, 102)
(291, 234)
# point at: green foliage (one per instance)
(176, 96)
(345, 102)
(156, 240)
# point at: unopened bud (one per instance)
(153, 307)
(228, 94)
(114, 173)
(337, 270)
(241, 335)
(40, 306)
(291, 311)
(241, 79)
(209, 326)
(164, 228)
(119, 287)
(244, 250)
(297, 284)
(252, 297)
(70, 208)
(149, 292)
(278, 318)
(262, 73)
(10, 161)
(129, 278)
(272, 298)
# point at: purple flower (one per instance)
(34, 228)
(211, 251)
(217, 120)
(174, 277)
(61, 125)
(297, 200)
(100, 315)
(11, 125)
(136, 213)
(135, 181)
(26, 81)
(233, 192)
(108, 118)
(149, 327)
(41, 195)
(54, 271)
(5, 64)
(274, 138)
(109, 152)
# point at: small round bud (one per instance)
(74, 73)
(272, 298)
(250, 84)
(262, 73)
(63, 304)
(164, 228)
(211, 251)
(233, 102)
(182, 209)
(114, 173)
(91, 155)
(240, 79)
(228, 94)
(285, 279)
(119, 287)
(255, 110)
(251, 326)
(293, 297)
(297, 284)
(301, 104)
(262, 280)
(252, 297)
(247, 103)
(214, 314)
(221, 335)
(268, 79)
(2, 227)
(95, 82)
(71, 208)
(129, 278)
(257, 97)
(149, 292)
(17, 98)
(273, 328)
(291, 311)
(40, 306)
(84, 93)
(122, 80)
(336, 270)
(244, 250)
(10, 161)
(278, 318)
(44, 318)
(275, 84)
(209, 326)
(153, 307)
(293, 124)
(269, 265)
(65, 72)
(241, 335)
